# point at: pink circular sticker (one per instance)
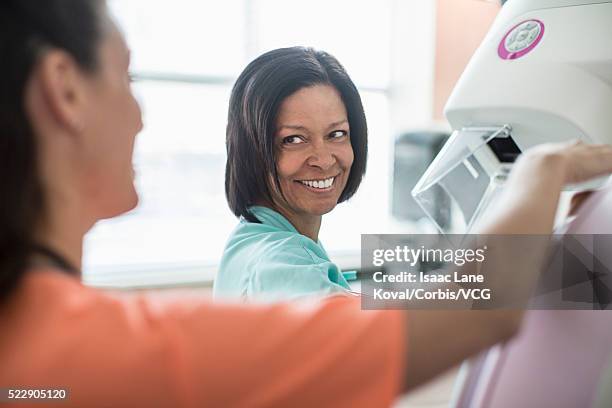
(521, 39)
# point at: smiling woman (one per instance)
(296, 145)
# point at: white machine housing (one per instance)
(542, 74)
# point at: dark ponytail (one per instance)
(28, 27)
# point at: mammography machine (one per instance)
(542, 74)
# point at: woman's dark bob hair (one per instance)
(256, 98)
(29, 27)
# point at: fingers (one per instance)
(588, 161)
(575, 160)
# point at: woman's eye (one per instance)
(292, 140)
(337, 134)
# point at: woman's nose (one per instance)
(322, 156)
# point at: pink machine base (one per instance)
(560, 356)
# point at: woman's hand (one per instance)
(577, 161)
(531, 197)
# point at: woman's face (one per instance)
(110, 125)
(314, 151)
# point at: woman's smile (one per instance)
(319, 185)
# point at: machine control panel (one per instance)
(521, 39)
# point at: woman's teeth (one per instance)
(319, 183)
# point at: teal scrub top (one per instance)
(272, 261)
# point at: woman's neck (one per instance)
(306, 224)
(66, 245)
(63, 230)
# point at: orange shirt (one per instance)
(140, 350)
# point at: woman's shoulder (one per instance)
(271, 250)
(273, 234)
(47, 290)
(263, 262)
(262, 240)
(251, 244)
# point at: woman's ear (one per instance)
(62, 86)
